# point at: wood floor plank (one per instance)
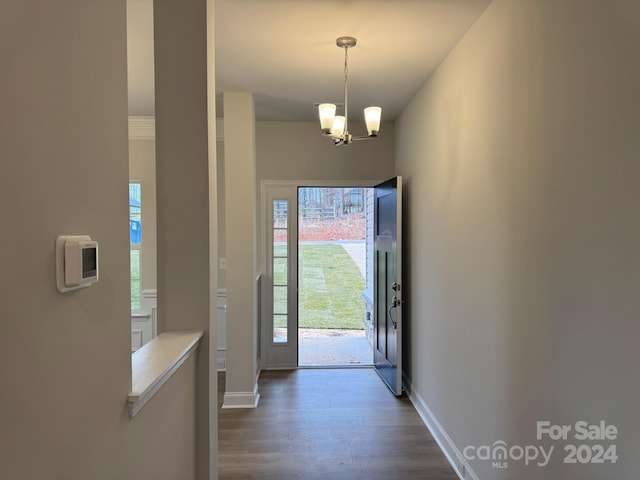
(326, 424)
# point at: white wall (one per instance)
(186, 197)
(520, 158)
(65, 363)
(140, 71)
(298, 151)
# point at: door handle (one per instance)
(394, 304)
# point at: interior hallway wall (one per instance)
(65, 360)
(186, 193)
(298, 151)
(520, 162)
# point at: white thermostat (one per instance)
(76, 262)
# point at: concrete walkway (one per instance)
(358, 252)
(333, 347)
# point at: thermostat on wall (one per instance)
(76, 262)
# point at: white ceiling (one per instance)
(284, 51)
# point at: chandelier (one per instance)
(336, 126)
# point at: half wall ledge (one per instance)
(154, 363)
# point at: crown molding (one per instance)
(142, 128)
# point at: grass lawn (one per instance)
(329, 284)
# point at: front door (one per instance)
(387, 334)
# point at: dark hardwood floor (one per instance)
(327, 424)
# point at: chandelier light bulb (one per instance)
(327, 112)
(372, 117)
(337, 129)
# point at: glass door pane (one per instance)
(279, 270)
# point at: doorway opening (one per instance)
(335, 276)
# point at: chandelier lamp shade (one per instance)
(337, 126)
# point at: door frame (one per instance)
(264, 243)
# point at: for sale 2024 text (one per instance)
(582, 431)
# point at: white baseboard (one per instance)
(241, 399)
(453, 454)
